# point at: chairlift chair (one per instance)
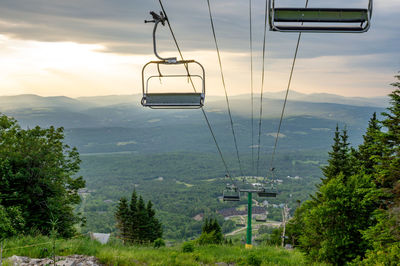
(266, 194)
(170, 100)
(329, 20)
(231, 194)
(261, 219)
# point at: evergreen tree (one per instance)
(136, 221)
(385, 235)
(206, 226)
(390, 163)
(371, 149)
(142, 221)
(334, 162)
(133, 218)
(122, 216)
(339, 158)
(155, 229)
(211, 232)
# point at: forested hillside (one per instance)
(354, 215)
(121, 142)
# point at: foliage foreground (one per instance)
(115, 253)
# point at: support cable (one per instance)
(224, 85)
(286, 96)
(262, 88)
(202, 109)
(251, 85)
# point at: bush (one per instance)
(253, 260)
(159, 242)
(187, 247)
(210, 238)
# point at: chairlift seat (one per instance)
(266, 194)
(324, 19)
(173, 100)
(231, 198)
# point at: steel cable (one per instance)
(286, 96)
(224, 86)
(262, 88)
(202, 109)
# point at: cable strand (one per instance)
(251, 85)
(286, 96)
(262, 89)
(224, 86)
(202, 109)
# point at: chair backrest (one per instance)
(171, 99)
(334, 20)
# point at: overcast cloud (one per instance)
(117, 26)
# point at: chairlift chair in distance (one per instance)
(261, 219)
(266, 194)
(328, 20)
(231, 194)
(170, 100)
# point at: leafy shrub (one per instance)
(187, 247)
(253, 260)
(210, 238)
(159, 242)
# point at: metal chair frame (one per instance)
(365, 23)
(177, 105)
(167, 103)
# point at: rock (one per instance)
(73, 260)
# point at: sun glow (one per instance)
(65, 68)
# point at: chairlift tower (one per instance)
(260, 193)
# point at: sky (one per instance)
(98, 47)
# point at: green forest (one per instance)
(344, 204)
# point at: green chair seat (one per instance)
(350, 20)
(173, 100)
(328, 15)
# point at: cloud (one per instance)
(118, 26)
(326, 62)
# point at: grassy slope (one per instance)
(116, 254)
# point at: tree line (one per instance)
(38, 182)
(354, 216)
(136, 221)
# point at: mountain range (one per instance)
(118, 123)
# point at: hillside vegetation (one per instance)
(115, 253)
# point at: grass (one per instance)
(115, 253)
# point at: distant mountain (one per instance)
(35, 102)
(119, 123)
(326, 98)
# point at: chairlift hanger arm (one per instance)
(156, 20)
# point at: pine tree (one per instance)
(339, 158)
(345, 155)
(142, 221)
(371, 149)
(136, 221)
(206, 226)
(390, 167)
(122, 216)
(385, 235)
(154, 229)
(334, 162)
(133, 219)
